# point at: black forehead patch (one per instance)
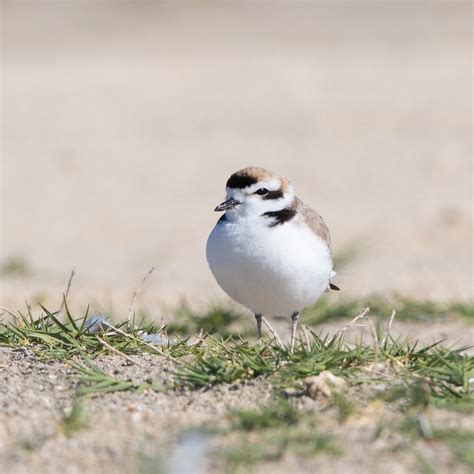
(240, 181)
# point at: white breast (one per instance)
(270, 270)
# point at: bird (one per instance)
(269, 251)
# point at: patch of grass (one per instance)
(271, 445)
(15, 266)
(310, 443)
(241, 456)
(417, 425)
(463, 404)
(53, 338)
(94, 380)
(464, 309)
(218, 319)
(424, 465)
(273, 415)
(461, 444)
(210, 360)
(218, 361)
(75, 420)
(411, 394)
(445, 370)
(150, 463)
(408, 309)
(344, 405)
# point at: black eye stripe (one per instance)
(273, 195)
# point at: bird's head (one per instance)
(253, 191)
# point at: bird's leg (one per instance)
(258, 318)
(294, 323)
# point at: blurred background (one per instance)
(121, 122)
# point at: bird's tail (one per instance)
(332, 286)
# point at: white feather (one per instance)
(271, 270)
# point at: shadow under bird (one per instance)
(269, 252)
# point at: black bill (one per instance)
(229, 204)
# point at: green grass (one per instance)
(411, 394)
(273, 445)
(446, 370)
(76, 420)
(416, 402)
(53, 338)
(331, 307)
(345, 406)
(277, 428)
(150, 463)
(219, 361)
(463, 404)
(212, 360)
(95, 380)
(223, 321)
(15, 266)
(424, 466)
(272, 415)
(461, 443)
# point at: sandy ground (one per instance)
(152, 432)
(120, 125)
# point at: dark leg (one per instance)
(294, 323)
(258, 317)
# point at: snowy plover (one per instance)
(269, 251)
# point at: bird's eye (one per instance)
(261, 191)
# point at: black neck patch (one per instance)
(240, 181)
(281, 216)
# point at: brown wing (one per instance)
(314, 221)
